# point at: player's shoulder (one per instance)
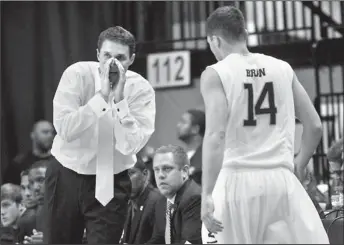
(276, 65)
(210, 77)
(273, 61)
(208, 72)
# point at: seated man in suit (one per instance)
(190, 130)
(178, 214)
(139, 225)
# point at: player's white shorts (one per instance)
(264, 206)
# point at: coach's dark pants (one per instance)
(70, 206)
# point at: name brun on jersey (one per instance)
(255, 72)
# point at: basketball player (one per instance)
(250, 192)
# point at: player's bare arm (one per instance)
(312, 128)
(216, 116)
(213, 142)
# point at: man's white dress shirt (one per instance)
(78, 109)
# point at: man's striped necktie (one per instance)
(168, 233)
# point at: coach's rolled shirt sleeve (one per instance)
(70, 118)
(134, 117)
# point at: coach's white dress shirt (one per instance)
(78, 110)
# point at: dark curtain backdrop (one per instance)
(38, 41)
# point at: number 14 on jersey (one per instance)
(252, 110)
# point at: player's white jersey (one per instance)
(261, 118)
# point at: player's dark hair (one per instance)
(120, 35)
(227, 22)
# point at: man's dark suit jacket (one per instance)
(196, 161)
(31, 219)
(186, 222)
(139, 230)
(8, 235)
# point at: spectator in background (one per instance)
(138, 228)
(146, 154)
(37, 174)
(31, 223)
(25, 190)
(42, 136)
(190, 130)
(316, 196)
(11, 210)
(177, 217)
(335, 156)
(310, 185)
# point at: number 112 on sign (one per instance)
(170, 69)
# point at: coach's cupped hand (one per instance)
(106, 89)
(111, 90)
(207, 215)
(119, 89)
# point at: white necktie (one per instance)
(105, 164)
